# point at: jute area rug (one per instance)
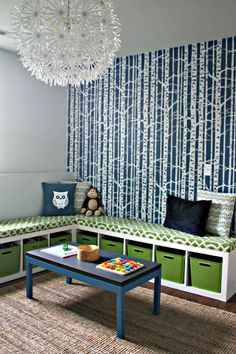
(81, 319)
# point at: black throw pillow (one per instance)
(187, 216)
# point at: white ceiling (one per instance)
(154, 24)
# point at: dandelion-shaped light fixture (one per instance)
(65, 42)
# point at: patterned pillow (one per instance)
(80, 193)
(221, 212)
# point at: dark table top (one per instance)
(89, 268)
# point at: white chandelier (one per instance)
(65, 42)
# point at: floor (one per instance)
(229, 306)
(81, 319)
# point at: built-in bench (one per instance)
(19, 230)
(33, 224)
(155, 232)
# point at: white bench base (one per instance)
(228, 281)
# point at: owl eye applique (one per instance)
(60, 199)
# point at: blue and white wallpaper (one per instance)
(152, 123)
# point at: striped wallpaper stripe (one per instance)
(152, 123)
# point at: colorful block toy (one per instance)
(120, 266)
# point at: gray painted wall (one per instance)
(21, 194)
(32, 121)
(157, 24)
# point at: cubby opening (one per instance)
(205, 272)
(58, 238)
(111, 244)
(139, 250)
(173, 264)
(33, 243)
(9, 258)
(86, 237)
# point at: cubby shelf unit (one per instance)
(228, 279)
(19, 239)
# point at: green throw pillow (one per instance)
(80, 193)
(221, 212)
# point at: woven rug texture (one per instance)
(80, 319)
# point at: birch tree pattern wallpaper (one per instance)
(157, 123)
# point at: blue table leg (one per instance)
(68, 280)
(29, 283)
(120, 313)
(157, 294)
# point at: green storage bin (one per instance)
(139, 250)
(9, 260)
(60, 238)
(172, 263)
(86, 238)
(108, 244)
(206, 273)
(33, 244)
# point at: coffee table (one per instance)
(88, 273)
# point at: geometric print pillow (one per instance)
(221, 212)
(80, 193)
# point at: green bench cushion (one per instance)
(157, 232)
(32, 224)
(131, 227)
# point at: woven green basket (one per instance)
(110, 245)
(172, 265)
(206, 273)
(138, 251)
(84, 238)
(33, 245)
(60, 239)
(9, 260)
